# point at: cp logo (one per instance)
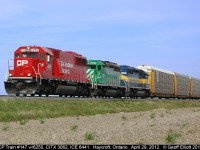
(22, 62)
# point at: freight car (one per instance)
(41, 70)
(168, 84)
(161, 81)
(194, 88)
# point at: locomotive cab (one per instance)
(96, 72)
(24, 72)
(29, 62)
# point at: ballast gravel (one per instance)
(150, 127)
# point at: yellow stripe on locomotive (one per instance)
(135, 81)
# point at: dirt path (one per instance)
(150, 127)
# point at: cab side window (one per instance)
(48, 58)
(17, 55)
(93, 66)
(42, 56)
(99, 67)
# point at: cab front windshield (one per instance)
(92, 66)
(30, 55)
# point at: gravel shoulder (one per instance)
(149, 127)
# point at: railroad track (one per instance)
(80, 98)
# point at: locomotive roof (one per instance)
(129, 67)
(133, 68)
(106, 63)
(75, 54)
(110, 64)
(48, 50)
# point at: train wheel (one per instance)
(32, 95)
(24, 95)
(17, 94)
(47, 94)
(60, 95)
(40, 94)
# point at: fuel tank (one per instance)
(111, 93)
(66, 90)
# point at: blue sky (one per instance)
(161, 33)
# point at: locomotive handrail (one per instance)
(9, 66)
(37, 74)
(6, 76)
(39, 70)
(94, 82)
(126, 85)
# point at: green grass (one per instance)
(24, 109)
(172, 136)
(88, 136)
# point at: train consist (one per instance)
(47, 71)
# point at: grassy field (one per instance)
(19, 109)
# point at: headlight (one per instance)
(10, 75)
(29, 74)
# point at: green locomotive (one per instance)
(104, 77)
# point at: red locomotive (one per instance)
(41, 70)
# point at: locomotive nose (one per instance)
(23, 67)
